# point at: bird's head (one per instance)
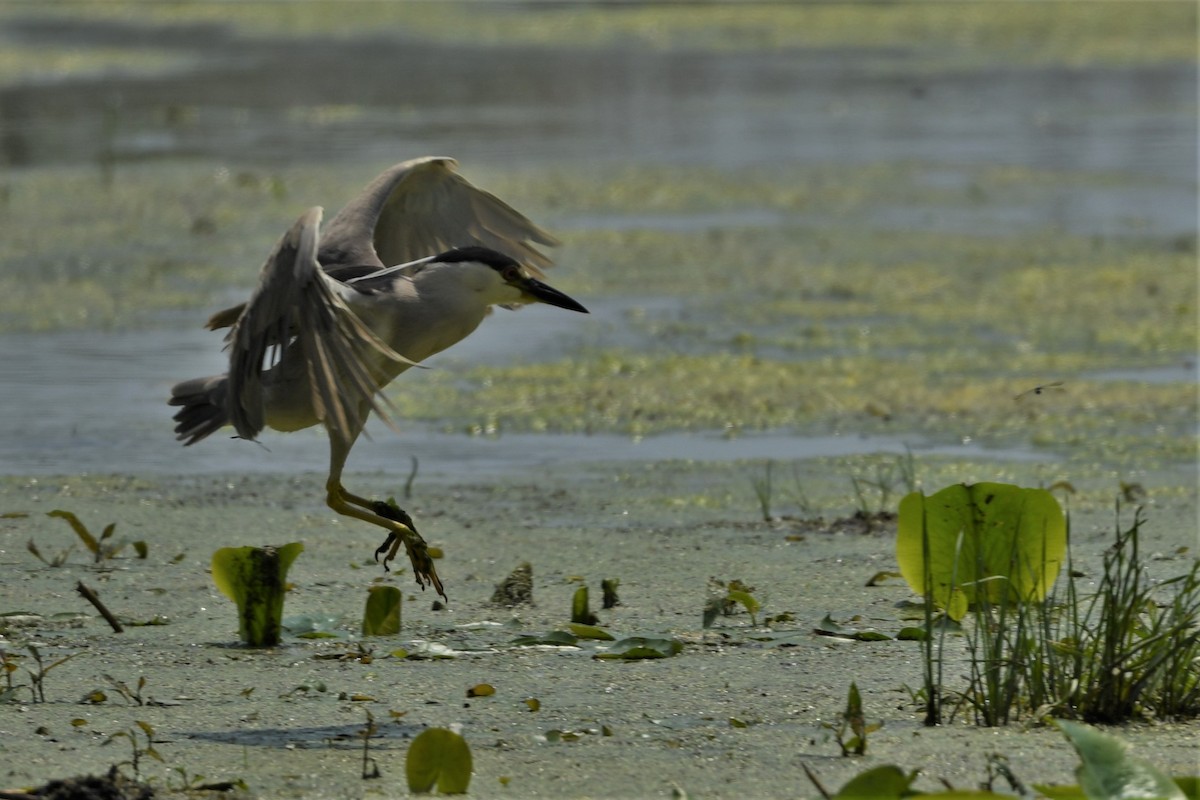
(503, 280)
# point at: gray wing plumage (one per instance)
(296, 305)
(424, 207)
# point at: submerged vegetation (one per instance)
(971, 33)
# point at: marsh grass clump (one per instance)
(889, 475)
(1130, 650)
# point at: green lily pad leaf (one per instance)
(1109, 772)
(255, 578)
(996, 538)
(827, 627)
(640, 647)
(590, 632)
(580, 613)
(551, 638)
(912, 634)
(382, 614)
(888, 782)
(1189, 785)
(441, 758)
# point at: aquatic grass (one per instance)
(1131, 652)
(889, 473)
(762, 484)
(1122, 653)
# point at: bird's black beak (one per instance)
(548, 294)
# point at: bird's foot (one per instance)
(418, 553)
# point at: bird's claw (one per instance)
(385, 548)
(418, 552)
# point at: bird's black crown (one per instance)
(483, 255)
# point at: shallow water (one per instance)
(88, 402)
(93, 401)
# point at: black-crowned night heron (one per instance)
(408, 268)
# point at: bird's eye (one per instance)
(511, 274)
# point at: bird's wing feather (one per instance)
(296, 302)
(424, 207)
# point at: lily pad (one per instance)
(1109, 772)
(312, 626)
(880, 783)
(382, 614)
(255, 578)
(827, 627)
(590, 632)
(441, 758)
(551, 638)
(986, 540)
(640, 647)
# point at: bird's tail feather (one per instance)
(204, 407)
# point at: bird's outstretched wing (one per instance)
(424, 207)
(297, 306)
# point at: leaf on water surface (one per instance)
(382, 614)
(550, 638)
(1109, 772)
(997, 538)
(639, 647)
(881, 783)
(580, 613)
(441, 758)
(590, 632)
(255, 578)
(827, 627)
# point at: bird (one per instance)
(406, 269)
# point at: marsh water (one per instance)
(92, 399)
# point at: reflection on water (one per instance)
(255, 101)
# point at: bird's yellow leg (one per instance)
(398, 525)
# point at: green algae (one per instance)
(1074, 33)
(640, 395)
(39, 64)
